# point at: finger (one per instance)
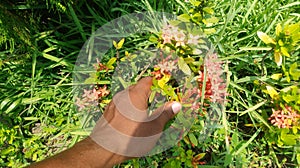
(143, 87)
(140, 92)
(167, 112)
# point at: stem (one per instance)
(263, 62)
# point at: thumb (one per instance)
(167, 112)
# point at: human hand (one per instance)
(124, 131)
(125, 127)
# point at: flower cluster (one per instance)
(165, 67)
(215, 89)
(284, 118)
(172, 34)
(99, 66)
(91, 97)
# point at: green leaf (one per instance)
(294, 72)
(209, 31)
(272, 92)
(161, 83)
(4, 102)
(289, 98)
(184, 17)
(289, 139)
(284, 51)
(58, 60)
(120, 44)
(276, 76)
(184, 67)
(278, 58)
(110, 63)
(152, 96)
(153, 38)
(253, 108)
(211, 20)
(195, 3)
(256, 48)
(124, 83)
(193, 139)
(278, 29)
(228, 159)
(13, 105)
(208, 10)
(265, 38)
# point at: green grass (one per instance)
(37, 112)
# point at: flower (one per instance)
(170, 33)
(193, 39)
(284, 118)
(215, 89)
(167, 33)
(179, 36)
(99, 66)
(91, 97)
(165, 67)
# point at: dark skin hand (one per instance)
(93, 152)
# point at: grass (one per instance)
(37, 115)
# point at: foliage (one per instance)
(256, 41)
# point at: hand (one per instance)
(124, 131)
(125, 128)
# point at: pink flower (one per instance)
(80, 104)
(215, 72)
(180, 38)
(170, 33)
(91, 98)
(284, 118)
(167, 33)
(90, 95)
(193, 39)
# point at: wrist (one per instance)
(94, 155)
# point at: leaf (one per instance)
(189, 60)
(115, 44)
(124, 83)
(294, 72)
(199, 156)
(288, 139)
(152, 96)
(284, 51)
(253, 108)
(276, 76)
(289, 98)
(278, 29)
(120, 44)
(208, 10)
(184, 67)
(292, 29)
(161, 83)
(272, 92)
(209, 31)
(13, 105)
(277, 58)
(212, 20)
(110, 63)
(193, 139)
(195, 3)
(228, 159)
(184, 17)
(265, 38)
(256, 48)
(152, 38)
(4, 102)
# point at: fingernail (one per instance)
(176, 107)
